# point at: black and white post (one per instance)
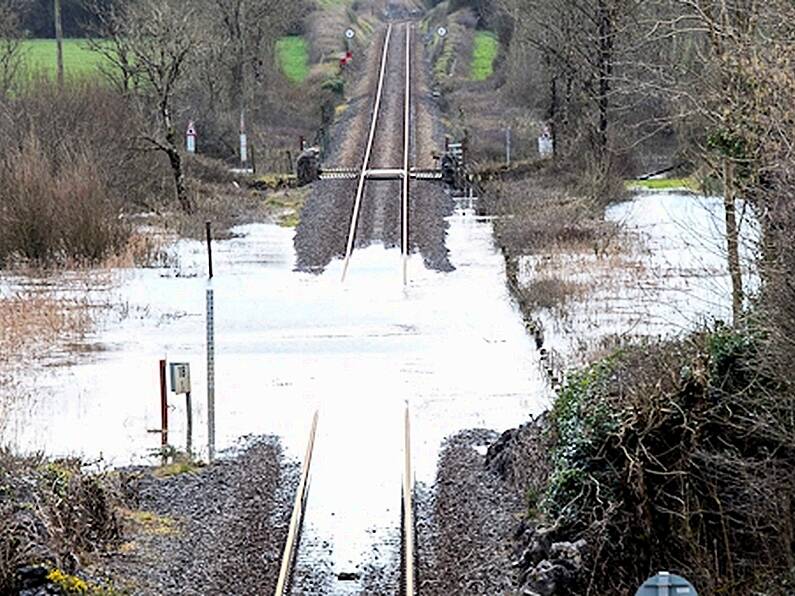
(210, 353)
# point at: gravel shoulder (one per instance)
(218, 530)
(467, 522)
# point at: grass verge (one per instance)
(293, 55)
(664, 184)
(484, 53)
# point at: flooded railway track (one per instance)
(385, 144)
(408, 549)
(403, 172)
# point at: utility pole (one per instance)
(59, 41)
(244, 62)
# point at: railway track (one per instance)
(408, 550)
(403, 172)
(380, 136)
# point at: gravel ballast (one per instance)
(218, 530)
(466, 523)
(322, 232)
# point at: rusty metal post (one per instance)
(163, 406)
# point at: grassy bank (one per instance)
(293, 55)
(680, 454)
(484, 53)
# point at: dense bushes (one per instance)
(51, 514)
(68, 171)
(52, 214)
(677, 456)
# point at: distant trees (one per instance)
(585, 51)
(36, 18)
(10, 48)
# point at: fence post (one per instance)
(208, 228)
(189, 406)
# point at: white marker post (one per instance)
(243, 140)
(190, 137)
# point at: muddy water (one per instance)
(451, 345)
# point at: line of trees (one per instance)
(208, 60)
(165, 62)
(712, 83)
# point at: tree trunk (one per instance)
(175, 159)
(59, 43)
(604, 73)
(732, 240)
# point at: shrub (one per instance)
(677, 456)
(51, 514)
(54, 214)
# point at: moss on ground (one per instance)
(288, 206)
(176, 468)
(147, 522)
(664, 184)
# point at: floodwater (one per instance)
(450, 345)
(671, 278)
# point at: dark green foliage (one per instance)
(678, 456)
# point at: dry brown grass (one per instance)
(31, 323)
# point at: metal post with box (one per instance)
(180, 384)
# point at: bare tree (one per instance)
(10, 45)
(246, 32)
(161, 36)
(585, 48)
(109, 41)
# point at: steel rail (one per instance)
(406, 167)
(297, 517)
(367, 153)
(408, 513)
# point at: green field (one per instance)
(293, 54)
(484, 53)
(40, 57)
(79, 60)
